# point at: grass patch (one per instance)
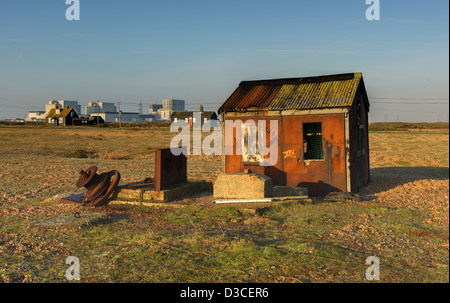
(403, 163)
(193, 215)
(305, 243)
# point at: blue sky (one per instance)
(200, 50)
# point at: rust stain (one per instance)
(289, 153)
(328, 159)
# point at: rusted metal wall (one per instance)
(233, 163)
(359, 142)
(170, 170)
(319, 176)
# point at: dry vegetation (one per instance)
(401, 216)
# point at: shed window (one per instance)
(312, 141)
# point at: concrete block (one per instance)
(242, 186)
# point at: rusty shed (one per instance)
(322, 132)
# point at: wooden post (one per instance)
(118, 107)
(98, 113)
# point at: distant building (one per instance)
(154, 113)
(100, 107)
(148, 118)
(189, 117)
(173, 104)
(114, 116)
(36, 116)
(61, 116)
(85, 120)
(63, 104)
(169, 106)
(52, 104)
(129, 117)
(153, 108)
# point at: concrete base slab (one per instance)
(138, 194)
(242, 186)
(149, 194)
(226, 201)
(147, 204)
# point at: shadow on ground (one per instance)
(391, 177)
(435, 173)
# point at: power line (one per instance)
(132, 103)
(414, 111)
(15, 106)
(424, 103)
(395, 98)
(393, 101)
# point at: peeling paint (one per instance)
(289, 154)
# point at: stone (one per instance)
(289, 191)
(242, 186)
(61, 196)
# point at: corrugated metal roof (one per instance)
(329, 91)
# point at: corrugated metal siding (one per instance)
(301, 93)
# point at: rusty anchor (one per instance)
(98, 187)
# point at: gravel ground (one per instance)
(417, 194)
(429, 196)
(25, 193)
